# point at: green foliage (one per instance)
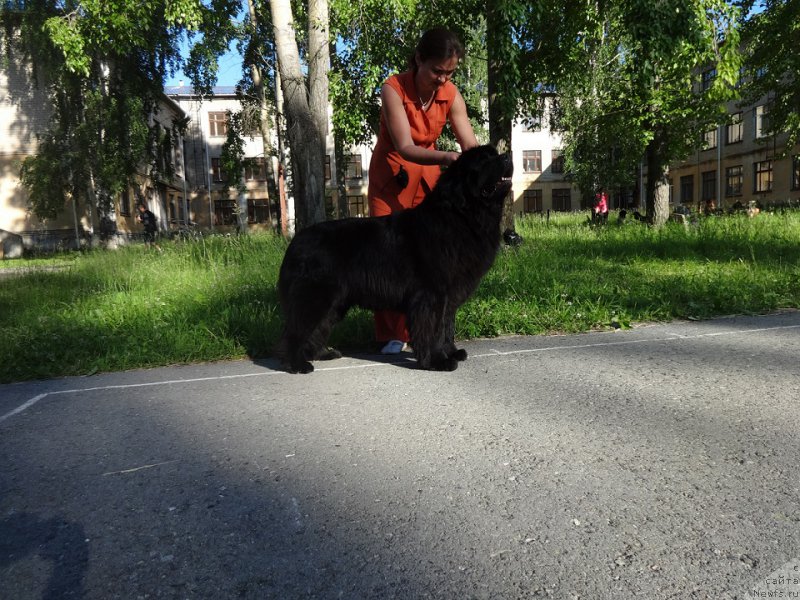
(103, 66)
(46, 177)
(772, 66)
(630, 84)
(219, 28)
(374, 39)
(232, 158)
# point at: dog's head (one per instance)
(481, 174)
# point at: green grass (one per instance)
(215, 298)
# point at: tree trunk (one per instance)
(343, 206)
(305, 137)
(657, 192)
(261, 94)
(319, 63)
(500, 117)
(241, 204)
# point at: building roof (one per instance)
(188, 91)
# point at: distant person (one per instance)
(150, 223)
(600, 207)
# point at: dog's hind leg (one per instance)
(319, 339)
(297, 354)
(307, 311)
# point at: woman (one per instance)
(405, 165)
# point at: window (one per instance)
(710, 139)
(733, 181)
(225, 212)
(255, 169)
(531, 161)
(708, 189)
(218, 124)
(734, 132)
(354, 166)
(125, 203)
(796, 172)
(562, 199)
(357, 205)
(557, 162)
(532, 124)
(258, 210)
(763, 176)
(687, 189)
(217, 175)
(761, 115)
(327, 167)
(532, 201)
(707, 79)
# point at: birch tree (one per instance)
(305, 130)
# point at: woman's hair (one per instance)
(437, 43)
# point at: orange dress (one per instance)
(385, 193)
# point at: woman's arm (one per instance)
(459, 121)
(400, 132)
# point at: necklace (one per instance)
(424, 103)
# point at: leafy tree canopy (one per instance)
(103, 65)
(772, 66)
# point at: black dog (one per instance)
(424, 262)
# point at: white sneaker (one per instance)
(394, 347)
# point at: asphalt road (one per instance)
(660, 462)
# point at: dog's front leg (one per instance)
(425, 319)
(449, 323)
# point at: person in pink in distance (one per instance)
(600, 207)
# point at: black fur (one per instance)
(424, 262)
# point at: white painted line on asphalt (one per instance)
(672, 338)
(36, 399)
(134, 469)
(22, 407)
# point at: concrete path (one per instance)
(660, 462)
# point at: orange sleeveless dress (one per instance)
(385, 193)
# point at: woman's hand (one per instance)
(449, 158)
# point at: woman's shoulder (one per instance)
(401, 83)
(448, 91)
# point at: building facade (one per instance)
(540, 184)
(218, 200)
(24, 116)
(739, 165)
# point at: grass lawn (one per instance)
(215, 298)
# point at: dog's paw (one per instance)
(301, 367)
(445, 364)
(328, 354)
(459, 354)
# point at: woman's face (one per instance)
(434, 73)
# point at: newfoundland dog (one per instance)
(424, 262)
